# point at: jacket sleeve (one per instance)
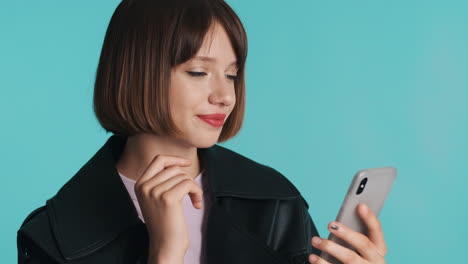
(310, 231)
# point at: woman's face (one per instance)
(204, 86)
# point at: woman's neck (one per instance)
(140, 150)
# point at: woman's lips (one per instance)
(216, 120)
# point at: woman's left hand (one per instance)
(372, 248)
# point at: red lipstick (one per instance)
(216, 120)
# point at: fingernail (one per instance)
(313, 258)
(316, 240)
(333, 226)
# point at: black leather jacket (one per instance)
(257, 215)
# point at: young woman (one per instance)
(169, 86)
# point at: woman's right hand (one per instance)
(160, 191)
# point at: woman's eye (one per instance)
(192, 73)
(232, 77)
(197, 74)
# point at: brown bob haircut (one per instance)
(145, 39)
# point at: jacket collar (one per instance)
(95, 199)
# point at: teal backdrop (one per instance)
(332, 87)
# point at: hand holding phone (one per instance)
(369, 186)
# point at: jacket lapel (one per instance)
(232, 175)
(96, 200)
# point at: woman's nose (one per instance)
(223, 91)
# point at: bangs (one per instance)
(194, 22)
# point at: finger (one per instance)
(343, 254)
(182, 188)
(159, 163)
(360, 242)
(160, 177)
(165, 186)
(314, 259)
(374, 228)
(196, 201)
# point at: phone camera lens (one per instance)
(362, 185)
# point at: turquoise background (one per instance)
(332, 87)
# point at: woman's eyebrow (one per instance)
(210, 59)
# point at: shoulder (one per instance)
(36, 212)
(249, 173)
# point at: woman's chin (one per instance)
(206, 141)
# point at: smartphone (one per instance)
(369, 186)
